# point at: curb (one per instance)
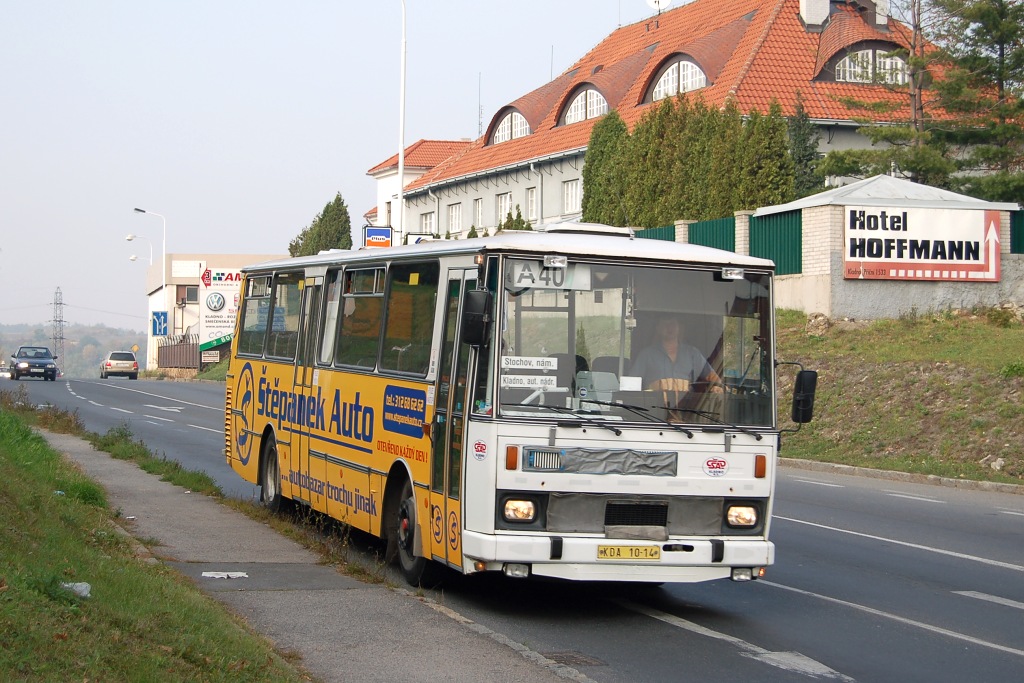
(892, 475)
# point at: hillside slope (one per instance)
(938, 394)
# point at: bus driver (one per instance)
(671, 364)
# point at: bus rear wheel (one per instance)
(270, 476)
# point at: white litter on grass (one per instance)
(81, 588)
(225, 575)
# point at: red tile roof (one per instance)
(754, 52)
(424, 154)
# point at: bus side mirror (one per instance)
(803, 396)
(476, 317)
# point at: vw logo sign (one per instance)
(215, 301)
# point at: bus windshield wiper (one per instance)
(642, 412)
(569, 411)
(711, 416)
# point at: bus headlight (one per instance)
(520, 510)
(741, 516)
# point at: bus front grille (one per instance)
(618, 513)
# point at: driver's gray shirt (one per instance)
(654, 364)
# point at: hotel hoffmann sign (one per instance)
(921, 244)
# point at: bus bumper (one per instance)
(576, 558)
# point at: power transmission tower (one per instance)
(58, 326)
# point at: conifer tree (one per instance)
(803, 148)
(330, 229)
(767, 177)
(726, 163)
(648, 176)
(982, 86)
(603, 172)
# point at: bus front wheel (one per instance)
(402, 541)
(270, 476)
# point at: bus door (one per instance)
(448, 426)
(309, 486)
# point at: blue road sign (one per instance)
(159, 323)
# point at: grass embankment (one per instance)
(939, 394)
(141, 621)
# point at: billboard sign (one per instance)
(920, 244)
(218, 305)
(376, 236)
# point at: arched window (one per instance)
(855, 67)
(588, 104)
(890, 69)
(680, 76)
(514, 125)
(872, 66)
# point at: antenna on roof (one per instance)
(479, 105)
(659, 4)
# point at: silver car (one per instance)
(121, 363)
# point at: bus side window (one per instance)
(284, 316)
(254, 314)
(332, 302)
(411, 300)
(254, 327)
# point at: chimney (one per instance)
(814, 12)
(881, 12)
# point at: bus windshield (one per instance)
(603, 342)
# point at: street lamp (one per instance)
(163, 286)
(401, 135)
(136, 237)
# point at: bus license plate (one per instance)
(628, 552)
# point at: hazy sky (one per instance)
(238, 120)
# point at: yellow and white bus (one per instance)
(480, 403)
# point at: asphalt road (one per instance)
(875, 580)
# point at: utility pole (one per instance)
(58, 326)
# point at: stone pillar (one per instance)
(743, 232)
(683, 231)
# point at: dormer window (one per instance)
(514, 125)
(588, 104)
(872, 66)
(680, 76)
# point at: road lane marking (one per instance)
(820, 483)
(215, 431)
(903, 620)
(122, 410)
(1012, 512)
(991, 598)
(790, 661)
(99, 405)
(918, 498)
(162, 419)
(170, 409)
(219, 409)
(939, 551)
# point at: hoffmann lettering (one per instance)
(903, 248)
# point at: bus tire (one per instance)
(416, 570)
(270, 476)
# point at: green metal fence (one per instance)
(665, 232)
(719, 233)
(1017, 232)
(779, 237)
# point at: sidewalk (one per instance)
(344, 629)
